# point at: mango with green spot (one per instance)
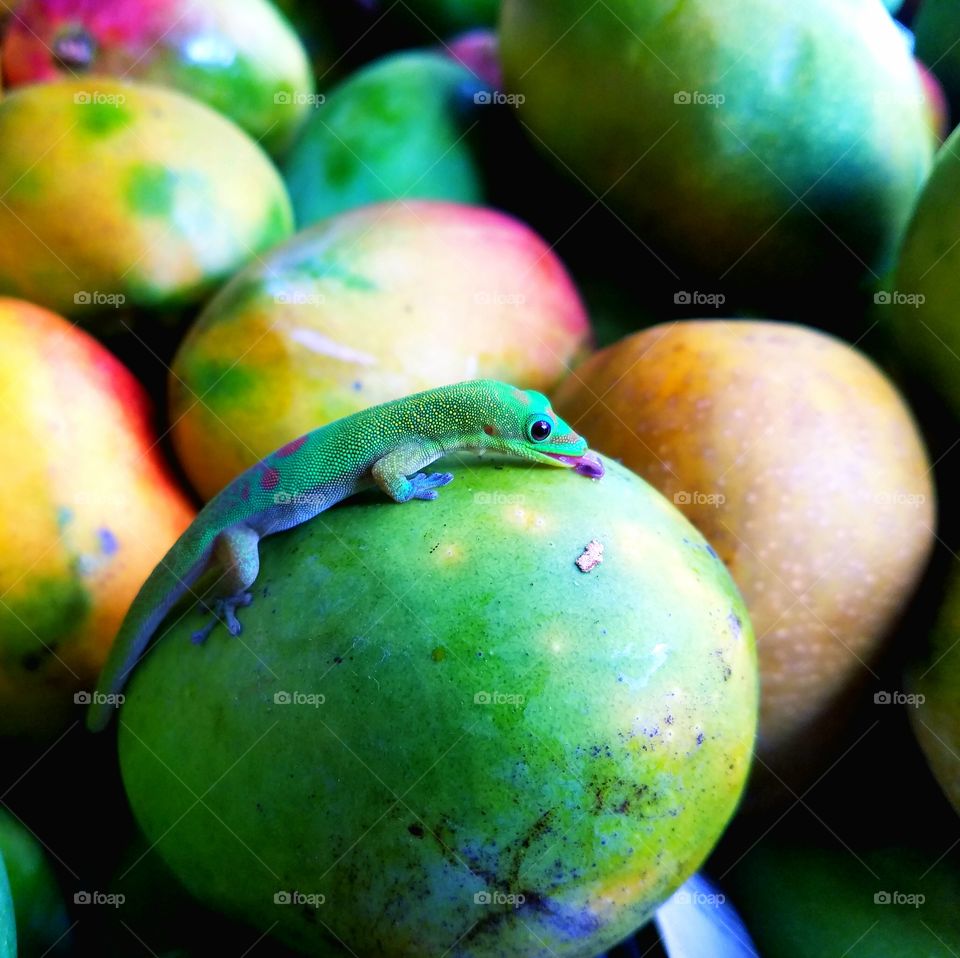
(243, 59)
(437, 735)
(396, 129)
(93, 508)
(373, 304)
(120, 195)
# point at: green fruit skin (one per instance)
(41, 914)
(923, 320)
(122, 189)
(448, 16)
(808, 168)
(265, 87)
(936, 722)
(936, 27)
(393, 130)
(593, 793)
(799, 901)
(8, 928)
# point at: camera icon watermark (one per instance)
(696, 98)
(113, 699)
(299, 898)
(899, 898)
(313, 699)
(697, 498)
(497, 698)
(298, 98)
(95, 97)
(913, 699)
(111, 900)
(496, 98)
(498, 898)
(696, 298)
(713, 900)
(895, 297)
(87, 297)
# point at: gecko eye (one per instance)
(539, 429)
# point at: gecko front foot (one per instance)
(224, 610)
(424, 486)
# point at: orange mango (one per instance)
(801, 464)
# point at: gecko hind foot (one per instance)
(223, 610)
(424, 486)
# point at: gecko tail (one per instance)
(162, 590)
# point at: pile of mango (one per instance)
(724, 238)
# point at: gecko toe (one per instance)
(223, 610)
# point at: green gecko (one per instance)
(381, 446)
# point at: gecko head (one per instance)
(527, 427)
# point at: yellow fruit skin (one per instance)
(371, 305)
(89, 510)
(801, 464)
(125, 195)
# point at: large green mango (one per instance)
(437, 735)
(766, 148)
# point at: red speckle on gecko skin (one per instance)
(269, 478)
(489, 430)
(290, 448)
(245, 493)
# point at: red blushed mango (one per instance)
(91, 511)
(242, 59)
(368, 306)
(801, 464)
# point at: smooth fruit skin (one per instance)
(242, 59)
(801, 899)
(93, 508)
(493, 721)
(40, 912)
(936, 27)
(921, 306)
(368, 306)
(395, 129)
(121, 190)
(798, 182)
(937, 678)
(445, 17)
(801, 464)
